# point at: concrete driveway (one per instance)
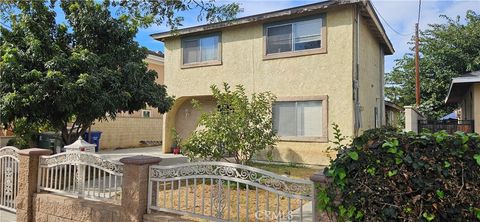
(167, 159)
(6, 216)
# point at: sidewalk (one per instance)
(167, 159)
(6, 216)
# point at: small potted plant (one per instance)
(176, 139)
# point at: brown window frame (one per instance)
(321, 139)
(293, 53)
(204, 63)
(149, 113)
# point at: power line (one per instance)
(384, 20)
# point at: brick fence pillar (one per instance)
(27, 182)
(319, 181)
(135, 186)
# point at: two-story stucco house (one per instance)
(323, 61)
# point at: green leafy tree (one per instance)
(145, 13)
(447, 50)
(240, 127)
(89, 68)
(168, 12)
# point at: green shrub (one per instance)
(385, 175)
(240, 127)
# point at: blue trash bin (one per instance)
(95, 138)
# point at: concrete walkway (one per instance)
(6, 216)
(167, 159)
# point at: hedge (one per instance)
(385, 175)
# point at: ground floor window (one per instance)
(298, 118)
(146, 114)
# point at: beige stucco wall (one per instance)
(4, 140)
(158, 67)
(393, 116)
(369, 77)
(412, 115)
(128, 131)
(242, 57)
(476, 106)
(187, 116)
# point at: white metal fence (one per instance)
(81, 174)
(8, 178)
(221, 191)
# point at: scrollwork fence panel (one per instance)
(8, 178)
(81, 174)
(220, 191)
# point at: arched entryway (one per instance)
(184, 117)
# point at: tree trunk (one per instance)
(70, 136)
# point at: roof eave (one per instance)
(373, 15)
(281, 14)
(154, 59)
(312, 8)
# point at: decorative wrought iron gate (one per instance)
(81, 174)
(219, 191)
(8, 178)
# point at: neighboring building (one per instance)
(465, 93)
(5, 136)
(141, 128)
(393, 114)
(324, 62)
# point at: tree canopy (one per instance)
(144, 13)
(447, 50)
(89, 68)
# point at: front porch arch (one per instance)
(184, 117)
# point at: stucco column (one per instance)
(168, 124)
(319, 181)
(412, 115)
(135, 186)
(27, 182)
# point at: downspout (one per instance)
(382, 88)
(356, 80)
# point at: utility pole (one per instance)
(417, 68)
(417, 58)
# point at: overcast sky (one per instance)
(400, 15)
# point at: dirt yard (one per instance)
(189, 199)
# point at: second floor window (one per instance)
(294, 36)
(201, 49)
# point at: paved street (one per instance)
(6, 216)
